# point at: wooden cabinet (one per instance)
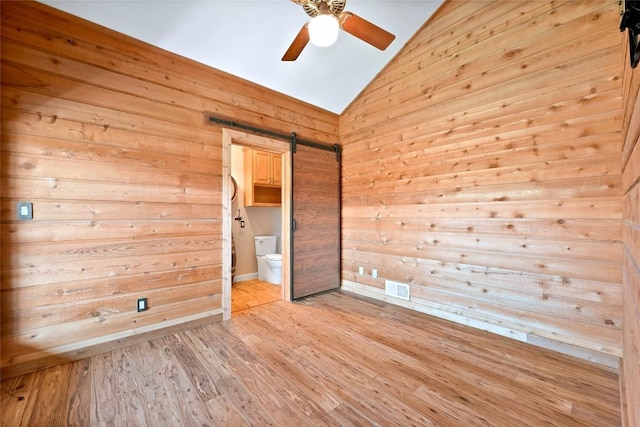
(267, 168)
(262, 178)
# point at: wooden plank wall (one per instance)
(106, 136)
(482, 167)
(630, 374)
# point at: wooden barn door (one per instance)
(315, 241)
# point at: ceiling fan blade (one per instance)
(297, 45)
(365, 30)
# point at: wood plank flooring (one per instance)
(252, 293)
(332, 359)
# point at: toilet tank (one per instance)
(265, 245)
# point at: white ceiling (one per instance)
(248, 38)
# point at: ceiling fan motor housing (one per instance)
(313, 7)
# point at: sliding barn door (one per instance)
(316, 221)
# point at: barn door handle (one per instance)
(294, 225)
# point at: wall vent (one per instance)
(396, 289)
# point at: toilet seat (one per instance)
(273, 257)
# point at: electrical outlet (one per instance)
(361, 270)
(142, 304)
(374, 273)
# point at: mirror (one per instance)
(234, 189)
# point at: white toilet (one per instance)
(269, 262)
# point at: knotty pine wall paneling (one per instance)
(107, 137)
(482, 167)
(630, 373)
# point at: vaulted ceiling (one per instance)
(248, 38)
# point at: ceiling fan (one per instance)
(327, 18)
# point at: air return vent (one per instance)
(396, 289)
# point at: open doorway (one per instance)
(232, 139)
(256, 229)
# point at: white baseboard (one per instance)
(242, 278)
(443, 312)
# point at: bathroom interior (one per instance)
(256, 228)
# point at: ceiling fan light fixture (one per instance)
(323, 30)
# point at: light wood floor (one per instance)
(333, 359)
(252, 293)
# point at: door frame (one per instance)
(229, 137)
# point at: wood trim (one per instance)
(227, 280)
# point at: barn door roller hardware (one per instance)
(631, 21)
(295, 141)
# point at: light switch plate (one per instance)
(25, 210)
